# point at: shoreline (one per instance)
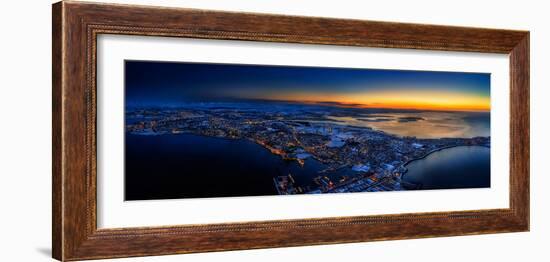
(283, 156)
(427, 154)
(433, 151)
(275, 151)
(278, 153)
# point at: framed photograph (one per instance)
(182, 130)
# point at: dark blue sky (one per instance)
(166, 83)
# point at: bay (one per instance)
(194, 166)
(456, 167)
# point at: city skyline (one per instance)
(176, 83)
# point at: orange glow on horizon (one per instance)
(414, 99)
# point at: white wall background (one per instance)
(25, 124)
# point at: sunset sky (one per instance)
(170, 84)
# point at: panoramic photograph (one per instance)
(202, 130)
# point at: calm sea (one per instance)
(456, 167)
(193, 166)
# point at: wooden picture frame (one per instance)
(76, 26)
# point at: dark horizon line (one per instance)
(319, 103)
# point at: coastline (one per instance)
(301, 162)
(275, 151)
(431, 152)
(428, 153)
(388, 185)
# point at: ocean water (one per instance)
(194, 166)
(456, 167)
(429, 124)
